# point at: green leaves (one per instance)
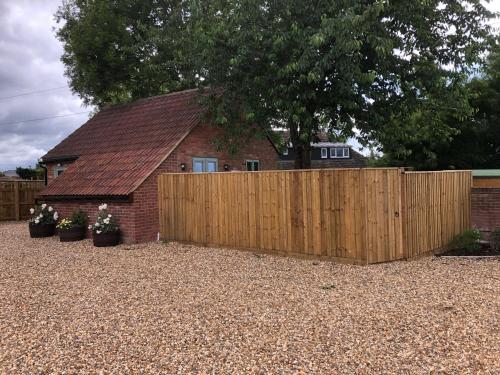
(389, 68)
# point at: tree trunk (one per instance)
(302, 150)
(302, 157)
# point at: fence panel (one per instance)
(436, 208)
(356, 215)
(17, 197)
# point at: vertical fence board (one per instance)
(17, 197)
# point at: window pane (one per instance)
(339, 152)
(249, 165)
(324, 152)
(256, 165)
(198, 166)
(346, 152)
(332, 152)
(211, 166)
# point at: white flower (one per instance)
(37, 221)
(56, 215)
(104, 206)
(90, 227)
(109, 215)
(32, 211)
(50, 209)
(98, 232)
(43, 206)
(97, 224)
(106, 221)
(40, 216)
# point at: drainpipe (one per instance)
(40, 163)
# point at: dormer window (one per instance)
(339, 152)
(59, 170)
(324, 153)
(285, 151)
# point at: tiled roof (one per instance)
(122, 145)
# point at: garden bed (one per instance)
(483, 251)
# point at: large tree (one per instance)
(120, 50)
(381, 70)
(475, 139)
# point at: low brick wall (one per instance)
(486, 209)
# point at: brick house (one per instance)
(324, 154)
(116, 157)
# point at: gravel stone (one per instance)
(173, 308)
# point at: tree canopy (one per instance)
(476, 137)
(387, 72)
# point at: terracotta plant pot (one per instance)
(77, 233)
(42, 230)
(106, 239)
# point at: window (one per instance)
(285, 151)
(253, 165)
(324, 153)
(339, 152)
(58, 171)
(205, 165)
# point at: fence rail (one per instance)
(355, 215)
(16, 198)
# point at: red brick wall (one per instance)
(139, 220)
(199, 143)
(486, 209)
(123, 213)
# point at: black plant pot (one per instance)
(42, 230)
(77, 233)
(106, 239)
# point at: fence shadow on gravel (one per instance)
(363, 216)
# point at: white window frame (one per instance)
(345, 152)
(285, 151)
(324, 153)
(59, 170)
(205, 162)
(252, 161)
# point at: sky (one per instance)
(30, 62)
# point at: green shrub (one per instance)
(467, 240)
(79, 218)
(495, 239)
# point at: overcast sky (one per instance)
(30, 61)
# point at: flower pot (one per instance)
(106, 239)
(77, 233)
(42, 230)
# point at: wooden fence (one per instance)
(17, 197)
(354, 215)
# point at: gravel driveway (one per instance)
(172, 308)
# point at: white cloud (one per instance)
(30, 61)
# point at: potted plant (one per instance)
(73, 229)
(43, 221)
(105, 231)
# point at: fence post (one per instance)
(16, 201)
(402, 214)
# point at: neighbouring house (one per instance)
(324, 154)
(117, 155)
